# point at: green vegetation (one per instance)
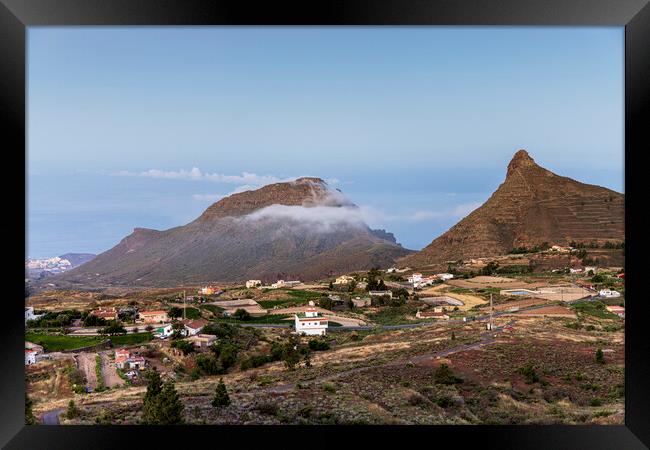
(600, 358)
(444, 375)
(72, 410)
(393, 316)
(98, 372)
(191, 313)
(184, 346)
(221, 397)
(214, 309)
(329, 387)
(529, 373)
(269, 319)
(594, 308)
(304, 294)
(241, 314)
(61, 342)
(132, 339)
(113, 327)
(318, 345)
(77, 379)
(55, 319)
(161, 404)
(284, 303)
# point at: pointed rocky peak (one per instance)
(520, 160)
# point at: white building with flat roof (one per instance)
(311, 322)
(253, 283)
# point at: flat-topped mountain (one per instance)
(532, 206)
(295, 230)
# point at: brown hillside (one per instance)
(226, 243)
(533, 205)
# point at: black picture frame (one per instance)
(16, 15)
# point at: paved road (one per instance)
(51, 417)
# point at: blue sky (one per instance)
(415, 124)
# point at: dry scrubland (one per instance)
(540, 371)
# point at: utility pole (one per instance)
(491, 311)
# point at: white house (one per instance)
(311, 322)
(445, 276)
(576, 270)
(277, 284)
(609, 293)
(391, 270)
(194, 327)
(344, 279)
(165, 332)
(30, 356)
(590, 268)
(253, 283)
(415, 278)
(29, 314)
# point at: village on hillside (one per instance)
(288, 351)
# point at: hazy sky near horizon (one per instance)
(147, 126)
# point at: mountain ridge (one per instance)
(299, 229)
(533, 205)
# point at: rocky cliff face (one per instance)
(296, 230)
(533, 205)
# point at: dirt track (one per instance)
(86, 362)
(111, 378)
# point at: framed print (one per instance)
(396, 219)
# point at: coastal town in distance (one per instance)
(252, 314)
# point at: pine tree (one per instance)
(169, 405)
(149, 404)
(221, 397)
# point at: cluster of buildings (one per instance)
(191, 327)
(419, 281)
(282, 284)
(125, 360)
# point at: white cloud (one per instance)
(208, 197)
(246, 178)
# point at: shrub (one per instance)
(318, 345)
(529, 373)
(72, 411)
(241, 314)
(183, 346)
(595, 402)
(416, 400)
(444, 401)
(444, 375)
(267, 408)
(329, 387)
(600, 358)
